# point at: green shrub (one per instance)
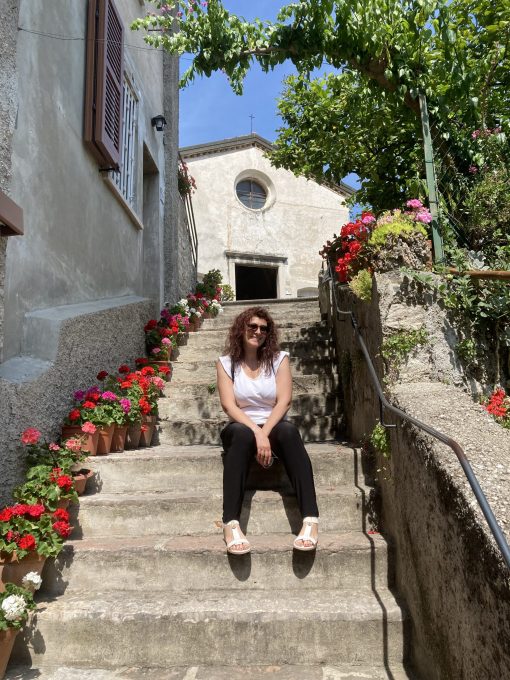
(398, 346)
(380, 440)
(361, 285)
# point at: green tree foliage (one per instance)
(363, 116)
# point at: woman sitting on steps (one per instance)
(255, 387)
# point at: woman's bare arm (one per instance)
(283, 396)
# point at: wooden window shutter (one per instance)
(104, 82)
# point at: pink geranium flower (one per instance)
(88, 428)
(414, 204)
(30, 436)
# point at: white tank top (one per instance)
(255, 396)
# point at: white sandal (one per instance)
(308, 522)
(237, 538)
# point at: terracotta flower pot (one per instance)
(119, 438)
(80, 481)
(105, 439)
(7, 638)
(148, 427)
(91, 441)
(14, 570)
(133, 435)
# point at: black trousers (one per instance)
(240, 449)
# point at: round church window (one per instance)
(251, 194)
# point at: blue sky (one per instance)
(209, 110)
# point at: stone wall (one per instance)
(446, 565)
(180, 275)
(69, 345)
(8, 108)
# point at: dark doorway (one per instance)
(255, 283)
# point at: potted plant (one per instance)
(69, 456)
(105, 411)
(15, 605)
(29, 533)
(185, 182)
(77, 424)
(47, 485)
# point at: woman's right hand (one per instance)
(263, 448)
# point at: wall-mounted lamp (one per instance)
(159, 122)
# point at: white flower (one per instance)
(14, 607)
(183, 302)
(199, 314)
(32, 581)
(192, 310)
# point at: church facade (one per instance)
(262, 227)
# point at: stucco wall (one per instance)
(8, 107)
(180, 274)
(74, 342)
(445, 562)
(300, 216)
(80, 243)
(88, 273)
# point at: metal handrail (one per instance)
(455, 446)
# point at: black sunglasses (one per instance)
(253, 327)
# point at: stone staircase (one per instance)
(146, 590)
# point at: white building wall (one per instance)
(298, 218)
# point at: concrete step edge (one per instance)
(281, 672)
(360, 604)
(329, 543)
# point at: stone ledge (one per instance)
(42, 328)
(486, 444)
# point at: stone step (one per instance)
(200, 467)
(205, 369)
(303, 320)
(203, 386)
(209, 406)
(289, 336)
(391, 671)
(344, 560)
(207, 431)
(178, 513)
(119, 628)
(317, 349)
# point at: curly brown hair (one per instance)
(234, 346)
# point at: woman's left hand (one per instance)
(263, 448)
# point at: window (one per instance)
(125, 178)
(103, 83)
(251, 194)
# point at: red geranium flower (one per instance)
(89, 404)
(61, 514)
(74, 414)
(102, 375)
(5, 515)
(145, 407)
(63, 529)
(150, 325)
(148, 370)
(27, 542)
(35, 510)
(141, 361)
(19, 509)
(124, 369)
